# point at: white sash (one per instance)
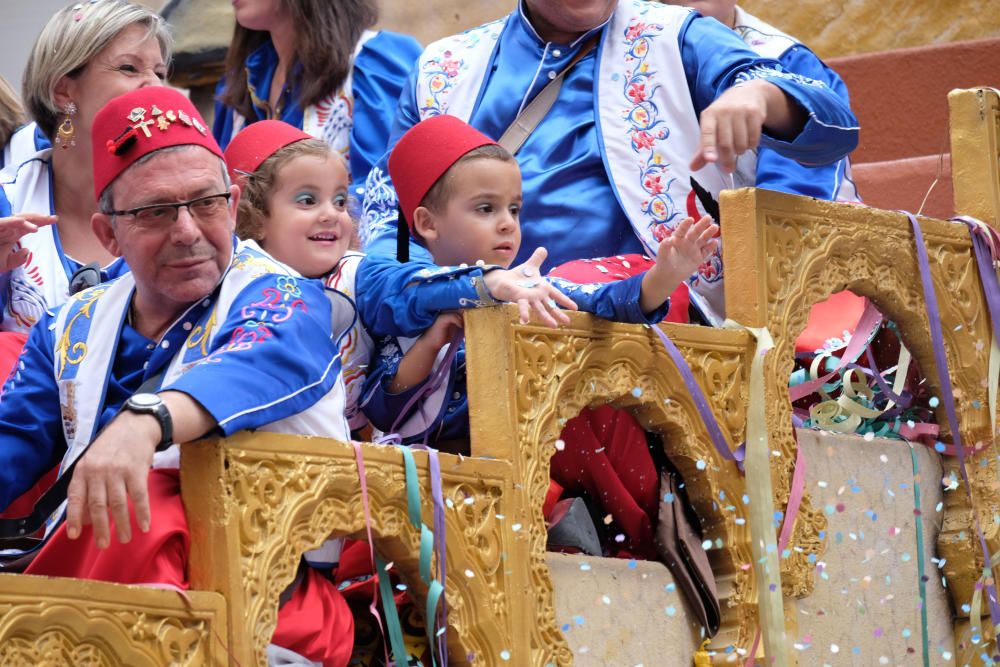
(648, 126)
(762, 37)
(356, 347)
(41, 283)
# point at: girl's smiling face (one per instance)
(308, 226)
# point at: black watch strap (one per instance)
(151, 404)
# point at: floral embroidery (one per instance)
(278, 303)
(379, 210)
(440, 71)
(243, 338)
(764, 72)
(646, 129)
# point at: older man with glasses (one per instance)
(204, 335)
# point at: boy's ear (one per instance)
(425, 223)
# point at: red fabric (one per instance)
(829, 319)
(424, 153)
(551, 498)
(118, 140)
(10, 351)
(620, 267)
(257, 142)
(23, 504)
(606, 457)
(315, 623)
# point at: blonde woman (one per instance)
(86, 54)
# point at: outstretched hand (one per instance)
(677, 257)
(11, 230)
(525, 286)
(732, 124)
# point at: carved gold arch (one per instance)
(534, 379)
(278, 496)
(802, 251)
(46, 621)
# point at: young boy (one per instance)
(460, 196)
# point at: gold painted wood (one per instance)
(49, 621)
(526, 381)
(258, 501)
(974, 117)
(783, 255)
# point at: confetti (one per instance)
(515, 527)
(470, 574)
(560, 445)
(671, 611)
(700, 465)
(505, 655)
(637, 392)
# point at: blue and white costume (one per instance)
(352, 120)
(43, 281)
(765, 167)
(442, 411)
(608, 164)
(260, 352)
(24, 143)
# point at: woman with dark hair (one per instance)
(317, 65)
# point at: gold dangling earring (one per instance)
(66, 133)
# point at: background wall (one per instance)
(848, 27)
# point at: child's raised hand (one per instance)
(677, 257)
(525, 286)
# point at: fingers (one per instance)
(137, 486)
(76, 497)
(706, 147)
(524, 307)
(118, 503)
(97, 508)
(12, 260)
(724, 145)
(538, 257)
(14, 227)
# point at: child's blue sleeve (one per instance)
(617, 301)
(777, 172)
(403, 299)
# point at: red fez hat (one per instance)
(140, 122)
(425, 153)
(257, 142)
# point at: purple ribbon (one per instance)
(700, 402)
(941, 361)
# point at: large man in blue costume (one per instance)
(660, 97)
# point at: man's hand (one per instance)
(525, 286)
(732, 124)
(677, 257)
(11, 231)
(114, 469)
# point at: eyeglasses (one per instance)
(204, 209)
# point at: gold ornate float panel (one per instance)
(791, 253)
(526, 381)
(48, 621)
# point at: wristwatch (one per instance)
(151, 404)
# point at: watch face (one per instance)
(145, 400)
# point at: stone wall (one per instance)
(846, 27)
(831, 27)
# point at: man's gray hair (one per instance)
(106, 202)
